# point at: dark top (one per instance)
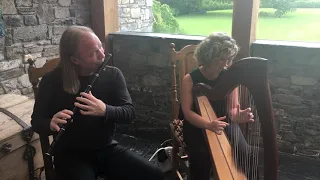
(193, 135)
(86, 132)
(218, 106)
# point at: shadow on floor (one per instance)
(291, 167)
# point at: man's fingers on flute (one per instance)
(59, 121)
(68, 112)
(54, 127)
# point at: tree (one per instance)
(184, 6)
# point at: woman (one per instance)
(214, 54)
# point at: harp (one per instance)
(248, 76)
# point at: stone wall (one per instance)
(294, 78)
(295, 84)
(135, 15)
(145, 63)
(34, 27)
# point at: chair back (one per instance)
(186, 62)
(35, 74)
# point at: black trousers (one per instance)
(201, 166)
(115, 162)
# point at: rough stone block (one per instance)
(29, 45)
(50, 51)
(64, 2)
(58, 30)
(149, 3)
(45, 13)
(8, 37)
(141, 2)
(12, 73)
(14, 52)
(296, 90)
(289, 136)
(2, 90)
(135, 13)
(61, 12)
(24, 3)
(13, 20)
(150, 80)
(83, 21)
(31, 50)
(303, 81)
(10, 85)
(43, 42)
(283, 91)
(308, 93)
(23, 81)
(279, 82)
(10, 7)
(1, 56)
(27, 91)
(288, 99)
(52, 1)
(302, 111)
(55, 40)
(26, 10)
(65, 21)
(285, 146)
(2, 43)
(6, 65)
(125, 1)
(30, 20)
(26, 34)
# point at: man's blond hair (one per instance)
(69, 44)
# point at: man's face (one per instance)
(90, 53)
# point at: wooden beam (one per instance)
(104, 19)
(111, 16)
(244, 23)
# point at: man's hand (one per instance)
(60, 118)
(91, 105)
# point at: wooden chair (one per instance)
(35, 74)
(186, 63)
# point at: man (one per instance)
(87, 146)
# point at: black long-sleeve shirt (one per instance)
(86, 132)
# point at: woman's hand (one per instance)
(217, 125)
(244, 116)
(91, 105)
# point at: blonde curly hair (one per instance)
(217, 45)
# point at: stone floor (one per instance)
(290, 167)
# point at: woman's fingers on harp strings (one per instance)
(217, 125)
(246, 115)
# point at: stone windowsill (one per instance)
(302, 44)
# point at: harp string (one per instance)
(247, 159)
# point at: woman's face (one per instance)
(219, 64)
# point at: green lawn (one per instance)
(302, 25)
